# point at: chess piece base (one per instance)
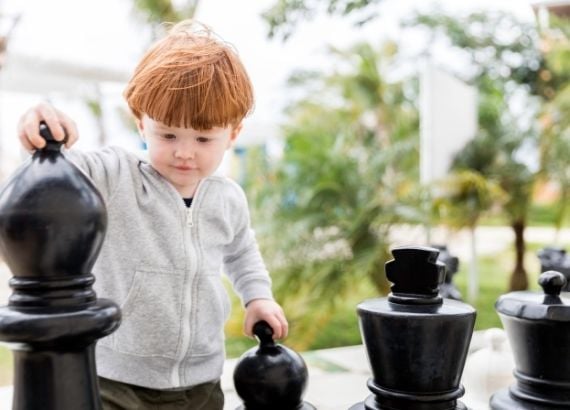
(303, 406)
(503, 400)
(371, 404)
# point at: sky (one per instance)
(106, 34)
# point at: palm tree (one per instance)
(502, 67)
(493, 154)
(459, 200)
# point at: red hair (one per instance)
(191, 79)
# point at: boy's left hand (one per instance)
(271, 312)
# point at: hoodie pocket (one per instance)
(213, 309)
(151, 314)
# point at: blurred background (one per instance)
(378, 123)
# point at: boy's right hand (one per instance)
(58, 123)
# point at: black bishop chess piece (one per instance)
(271, 376)
(52, 226)
(416, 341)
(538, 328)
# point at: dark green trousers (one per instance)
(122, 396)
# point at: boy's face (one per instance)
(183, 156)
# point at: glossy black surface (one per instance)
(503, 400)
(538, 328)
(555, 258)
(271, 376)
(448, 289)
(416, 341)
(52, 225)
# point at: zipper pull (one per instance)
(189, 221)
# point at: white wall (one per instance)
(448, 120)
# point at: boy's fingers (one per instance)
(248, 328)
(48, 114)
(30, 131)
(284, 326)
(25, 142)
(61, 127)
(71, 131)
(277, 326)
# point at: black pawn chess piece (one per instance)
(555, 258)
(417, 342)
(271, 376)
(538, 328)
(52, 225)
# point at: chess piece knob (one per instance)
(271, 376)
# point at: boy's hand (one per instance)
(271, 312)
(58, 123)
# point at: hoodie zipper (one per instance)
(189, 221)
(191, 255)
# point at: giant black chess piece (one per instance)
(538, 328)
(271, 376)
(52, 225)
(448, 289)
(416, 341)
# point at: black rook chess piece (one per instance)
(271, 376)
(416, 341)
(52, 225)
(538, 328)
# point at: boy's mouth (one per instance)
(184, 168)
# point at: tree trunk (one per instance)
(519, 279)
(561, 214)
(473, 281)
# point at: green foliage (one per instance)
(348, 173)
(157, 12)
(508, 66)
(463, 197)
(554, 118)
(284, 16)
(497, 45)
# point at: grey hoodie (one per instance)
(162, 263)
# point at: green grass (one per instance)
(539, 215)
(494, 272)
(5, 366)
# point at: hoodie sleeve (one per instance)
(243, 261)
(102, 166)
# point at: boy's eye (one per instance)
(169, 136)
(202, 139)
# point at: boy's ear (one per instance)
(140, 126)
(235, 132)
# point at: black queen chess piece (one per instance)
(538, 328)
(52, 226)
(416, 341)
(271, 376)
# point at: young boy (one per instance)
(172, 225)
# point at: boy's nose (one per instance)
(185, 151)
